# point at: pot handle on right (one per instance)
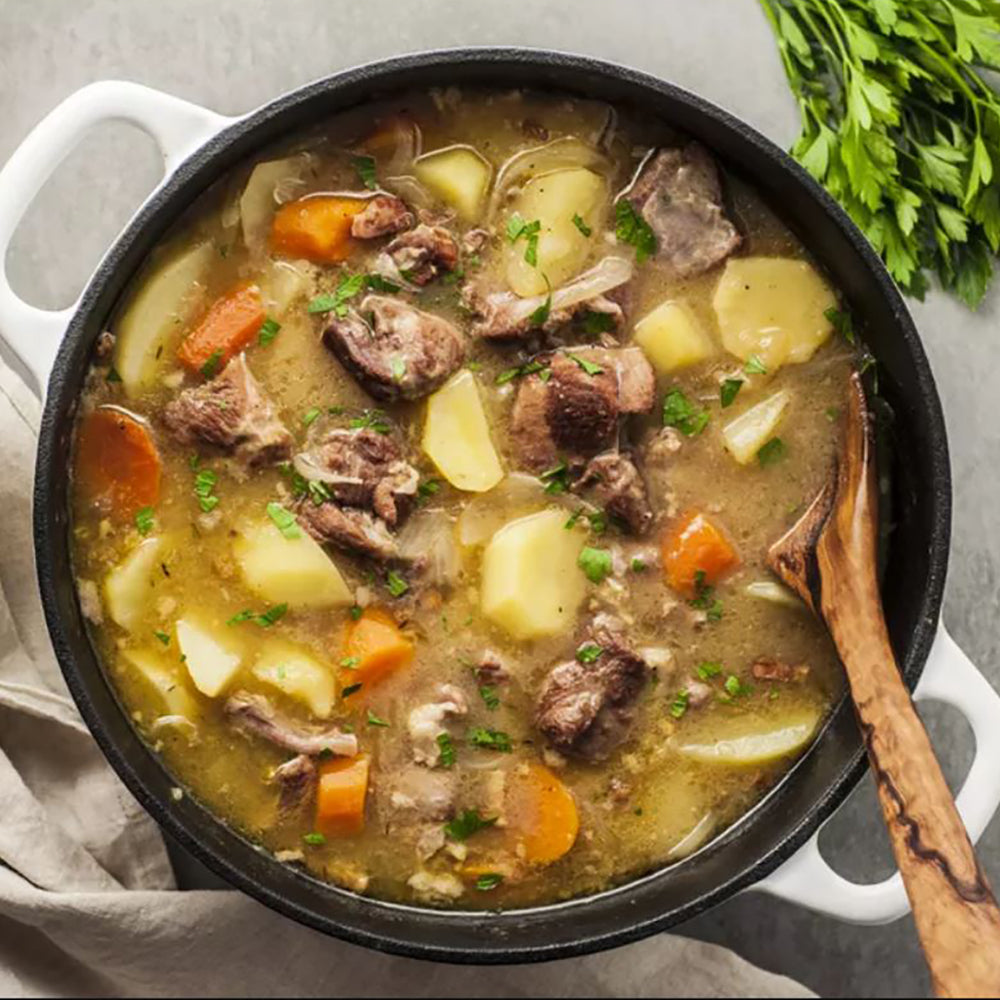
(806, 878)
(29, 336)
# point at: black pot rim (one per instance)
(512, 936)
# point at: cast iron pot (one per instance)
(773, 847)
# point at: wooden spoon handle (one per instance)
(956, 914)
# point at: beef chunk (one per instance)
(255, 715)
(423, 253)
(679, 195)
(616, 485)
(574, 414)
(384, 215)
(403, 354)
(362, 468)
(585, 709)
(349, 528)
(232, 413)
(296, 781)
(767, 669)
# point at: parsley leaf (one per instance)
(268, 331)
(311, 415)
(314, 839)
(365, 168)
(771, 452)
(467, 823)
(595, 563)
(490, 739)
(144, 520)
(446, 757)
(729, 390)
(708, 669)
(680, 704)
(373, 420)
(595, 323)
(488, 880)
(284, 520)
(755, 365)
(589, 652)
(585, 230)
(489, 695)
(680, 412)
(633, 229)
(588, 366)
(162, 636)
(204, 485)
(349, 286)
(211, 366)
(374, 720)
(395, 584)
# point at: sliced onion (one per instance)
(409, 189)
(429, 538)
(556, 155)
(271, 184)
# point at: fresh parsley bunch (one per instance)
(902, 125)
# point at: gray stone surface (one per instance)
(234, 54)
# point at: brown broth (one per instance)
(671, 805)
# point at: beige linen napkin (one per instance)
(88, 903)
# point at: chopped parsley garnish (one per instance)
(735, 688)
(350, 662)
(284, 520)
(541, 314)
(708, 669)
(598, 522)
(311, 415)
(680, 412)
(729, 390)
(704, 599)
(585, 230)
(597, 322)
(638, 564)
(529, 368)
(490, 739)
(162, 636)
(298, 483)
(556, 479)
(395, 584)
(374, 720)
(349, 690)
(573, 518)
(633, 229)
(318, 491)
(842, 322)
(112, 375)
(488, 880)
(755, 365)
(144, 520)
(589, 652)
(832, 412)
(446, 757)
(467, 823)
(268, 331)
(426, 489)
(489, 695)
(518, 228)
(595, 563)
(364, 166)
(771, 452)
(211, 366)
(204, 484)
(355, 612)
(680, 704)
(379, 284)
(314, 839)
(347, 288)
(588, 366)
(374, 420)
(265, 620)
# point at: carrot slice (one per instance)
(541, 815)
(318, 229)
(340, 796)
(694, 550)
(117, 464)
(231, 322)
(374, 647)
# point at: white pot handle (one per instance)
(30, 337)
(806, 879)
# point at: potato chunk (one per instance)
(749, 740)
(458, 175)
(294, 671)
(750, 431)
(531, 584)
(128, 587)
(156, 316)
(672, 337)
(293, 571)
(773, 307)
(553, 199)
(163, 680)
(210, 661)
(457, 436)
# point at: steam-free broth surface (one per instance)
(422, 490)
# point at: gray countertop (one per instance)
(234, 54)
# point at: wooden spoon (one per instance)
(829, 560)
